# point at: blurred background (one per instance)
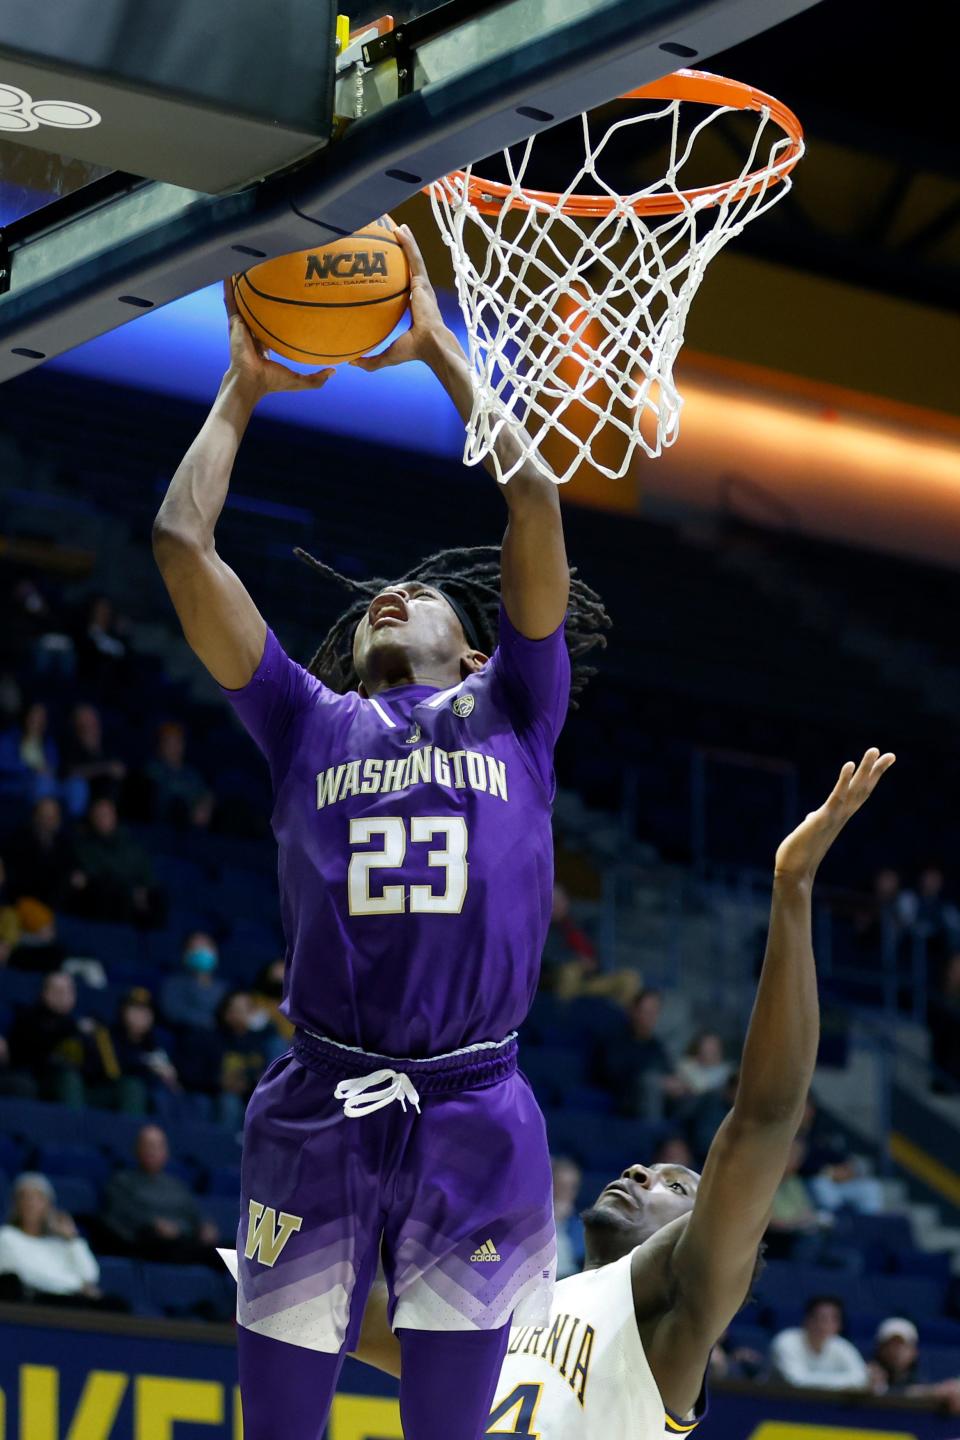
(784, 588)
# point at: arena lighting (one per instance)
(181, 350)
(893, 483)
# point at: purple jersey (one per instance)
(416, 853)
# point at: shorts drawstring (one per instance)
(361, 1098)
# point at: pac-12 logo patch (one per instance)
(414, 736)
(463, 706)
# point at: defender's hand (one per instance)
(800, 853)
(420, 341)
(248, 358)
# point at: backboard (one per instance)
(86, 245)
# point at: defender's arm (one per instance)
(713, 1261)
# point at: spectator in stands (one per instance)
(674, 1150)
(102, 645)
(704, 1068)
(42, 1257)
(706, 1114)
(267, 994)
(823, 1142)
(119, 876)
(847, 1184)
(738, 1362)
(11, 699)
(133, 1060)
(190, 1000)
(795, 1223)
(636, 1068)
(567, 1178)
(38, 948)
(241, 1056)
(943, 1017)
(30, 761)
(929, 914)
(180, 796)
(895, 1368)
(227, 1062)
(48, 1042)
(150, 1213)
(571, 965)
(9, 919)
(43, 859)
(84, 757)
(32, 620)
(815, 1356)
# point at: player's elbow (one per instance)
(173, 544)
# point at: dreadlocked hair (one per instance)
(470, 575)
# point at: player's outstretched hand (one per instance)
(249, 358)
(427, 323)
(801, 852)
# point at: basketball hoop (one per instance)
(575, 303)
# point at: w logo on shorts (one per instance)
(265, 1238)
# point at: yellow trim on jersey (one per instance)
(679, 1427)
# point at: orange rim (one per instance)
(490, 196)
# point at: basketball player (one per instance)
(670, 1254)
(412, 769)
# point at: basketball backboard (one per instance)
(85, 246)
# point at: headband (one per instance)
(469, 629)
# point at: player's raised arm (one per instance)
(713, 1260)
(220, 621)
(534, 575)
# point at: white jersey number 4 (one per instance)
(391, 830)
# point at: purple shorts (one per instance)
(456, 1200)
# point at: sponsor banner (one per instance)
(130, 1379)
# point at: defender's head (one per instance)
(410, 631)
(632, 1208)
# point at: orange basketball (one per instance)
(331, 303)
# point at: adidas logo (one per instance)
(486, 1252)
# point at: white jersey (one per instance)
(584, 1376)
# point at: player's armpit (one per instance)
(377, 1346)
(221, 624)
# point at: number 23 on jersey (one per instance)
(449, 857)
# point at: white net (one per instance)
(575, 320)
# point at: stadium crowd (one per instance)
(111, 1007)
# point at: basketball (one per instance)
(331, 303)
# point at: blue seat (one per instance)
(112, 1132)
(36, 1122)
(76, 1195)
(19, 987)
(603, 1142)
(786, 1287)
(940, 1362)
(11, 1155)
(123, 1278)
(224, 1211)
(224, 1180)
(207, 1145)
(82, 1161)
(103, 941)
(99, 1004)
(590, 1186)
(589, 1098)
(190, 1290)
